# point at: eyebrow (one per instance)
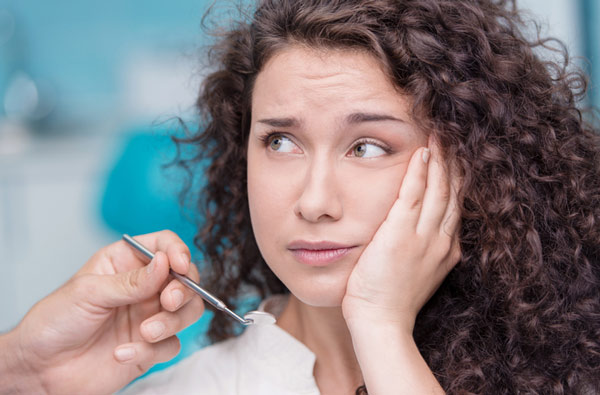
(354, 118)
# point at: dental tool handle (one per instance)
(204, 294)
(217, 303)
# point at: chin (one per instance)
(319, 291)
(323, 286)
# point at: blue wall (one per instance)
(590, 10)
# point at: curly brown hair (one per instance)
(520, 313)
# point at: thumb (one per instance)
(114, 290)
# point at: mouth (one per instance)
(319, 253)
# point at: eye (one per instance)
(280, 143)
(368, 150)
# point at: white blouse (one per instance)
(264, 359)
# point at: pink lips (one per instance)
(319, 253)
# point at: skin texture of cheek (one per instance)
(366, 195)
(314, 186)
(269, 198)
(371, 194)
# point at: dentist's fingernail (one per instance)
(155, 329)
(426, 154)
(124, 354)
(177, 297)
(185, 260)
(150, 266)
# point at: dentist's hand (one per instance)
(109, 323)
(412, 251)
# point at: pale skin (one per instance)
(92, 335)
(396, 207)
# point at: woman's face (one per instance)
(329, 145)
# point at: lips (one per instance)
(318, 253)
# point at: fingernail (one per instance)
(125, 353)
(155, 329)
(426, 154)
(150, 266)
(185, 260)
(177, 297)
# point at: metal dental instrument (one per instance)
(217, 303)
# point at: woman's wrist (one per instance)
(16, 375)
(364, 330)
(359, 313)
(390, 359)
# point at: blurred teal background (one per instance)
(590, 41)
(87, 90)
(89, 58)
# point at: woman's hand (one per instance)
(111, 321)
(410, 255)
(412, 251)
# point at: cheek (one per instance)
(371, 194)
(268, 200)
(267, 203)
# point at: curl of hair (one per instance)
(520, 313)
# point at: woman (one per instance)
(414, 194)
(327, 100)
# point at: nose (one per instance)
(320, 198)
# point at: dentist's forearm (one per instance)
(391, 362)
(16, 377)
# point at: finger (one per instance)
(113, 290)
(165, 324)
(168, 242)
(455, 253)
(451, 221)
(175, 294)
(437, 193)
(179, 257)
(147, 354)
(410, 197)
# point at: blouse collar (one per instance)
(278, 353)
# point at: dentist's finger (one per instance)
(175, 294)
(179, 257)
(407, 208)
(165, 323)
(437, 193)
(168, 242)
(120, 289)
(146, 354)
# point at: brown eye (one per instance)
(360, 149)
(281, 144)
(367, 149)
(275, 142)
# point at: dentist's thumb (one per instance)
(120, 289)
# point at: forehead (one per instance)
(299, 76)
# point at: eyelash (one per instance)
(267, 137)
(384, 147)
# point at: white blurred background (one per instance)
(79, 82)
